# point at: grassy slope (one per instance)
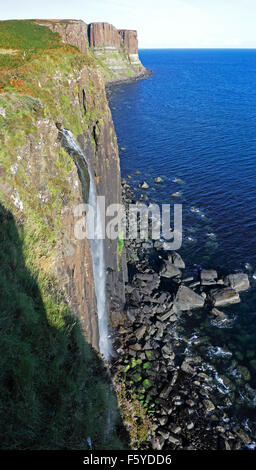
(55, 392)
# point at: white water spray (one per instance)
(96, 240)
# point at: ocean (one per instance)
(193, 123)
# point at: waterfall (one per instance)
(96, 240)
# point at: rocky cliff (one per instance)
(116, 49)
(74, 32)
(129, 41)
(40, 183)
(52, 81)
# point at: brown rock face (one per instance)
(106, 35)
(103, 35)
(74, 32)
(70, 262)
(104, 160)
(117, 49)
(129, 40)
(70, 259)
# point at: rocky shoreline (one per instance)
(120, 81)
(185, 409)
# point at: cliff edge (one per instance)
(116, 51)
(50, 81)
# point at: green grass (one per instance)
(28, 50)
(55, 392)
(121, 57)
(25, 37)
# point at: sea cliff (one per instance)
(50, 81)
(117, 50)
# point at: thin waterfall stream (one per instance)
(96, 240)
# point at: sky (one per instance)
(160, 23)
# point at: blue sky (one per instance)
(160, 23)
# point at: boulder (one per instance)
(242, 435)
(208, 277)
(186, 367)
(135, 347)
(176, 259)
(144, 185)
(131, 315)
(157, 443)
(174, 440)
(169, 270)
(175, 429)
(158, 179)
(190, 426)
(223, 296)
(129, 289)
(187, 299)
(144, 276)
(167, 315)
(140, 332)
(163, 298)
(188, 279)
(219, 317)
(167, 352)
(209, 406)
(146, 282)
(163, 420)
(166, 392)
(164, 434)
(238, 282)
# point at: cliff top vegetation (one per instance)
(23, 45)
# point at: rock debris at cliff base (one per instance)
(184, 405)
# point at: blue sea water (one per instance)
(195, 119)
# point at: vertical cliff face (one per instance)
(42, 190)
(116, 49)
(41, 184)
(103, 35)
(129, 40)
(102, 152)
(74, 32)
(130, 43)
